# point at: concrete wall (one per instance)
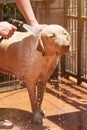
(50, 11)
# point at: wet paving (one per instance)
(64, 102)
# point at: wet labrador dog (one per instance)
(33, 59)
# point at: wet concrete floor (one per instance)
(65, 105)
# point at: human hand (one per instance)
(7, 30)
(39, 27)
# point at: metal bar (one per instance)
(63, 66)
(71, 74)
(6, 1)
(47, 11)
(80, 31)
(65, 25)
(11, 1)
(74, 20)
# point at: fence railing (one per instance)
(76, 23)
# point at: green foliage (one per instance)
(10, 10)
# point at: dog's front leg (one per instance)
(40, 94)
(37, 114)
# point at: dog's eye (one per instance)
(65, 33)
(51, 36)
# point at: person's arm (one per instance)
(27, 11)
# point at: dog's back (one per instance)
(16, 51)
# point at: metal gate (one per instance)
(76, 23)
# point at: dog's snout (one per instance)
(65, 47)
(68, 38)
(66, 34)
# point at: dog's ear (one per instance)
(51, 35)
(40, 46)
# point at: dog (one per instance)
(33, 59)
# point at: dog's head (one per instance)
(54, 39)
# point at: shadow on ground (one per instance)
(23, 120)
(71, 121)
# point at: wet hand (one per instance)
(39, 27)
(7, 30)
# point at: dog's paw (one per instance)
(38, 117)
